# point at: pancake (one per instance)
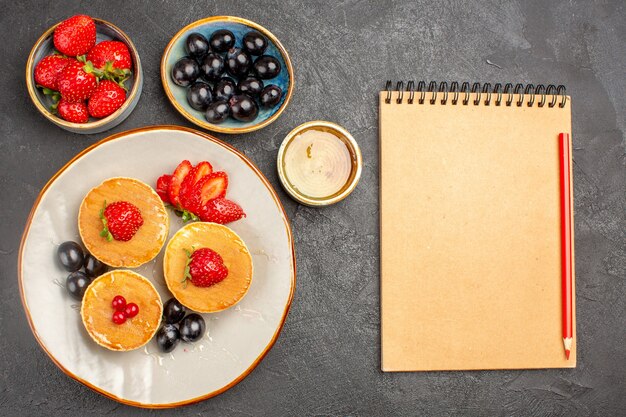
(96, 310)
(236, 258)
(148, 240)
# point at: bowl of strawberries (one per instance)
(84, 75)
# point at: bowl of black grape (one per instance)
(227, 74)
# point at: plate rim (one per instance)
(211, 126)
(263, 179)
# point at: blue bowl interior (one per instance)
(180, 93)
(103, 33)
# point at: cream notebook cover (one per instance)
(470, 229)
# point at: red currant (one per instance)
(119, 303)
(131, 310)
(119, 317)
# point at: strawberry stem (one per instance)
(188, 216)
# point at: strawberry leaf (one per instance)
(117, 75)
(187, 273)
(105, 230)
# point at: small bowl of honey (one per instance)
(319, 163)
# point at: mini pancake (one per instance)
(236, 258)
(97, 312)
(148, 240)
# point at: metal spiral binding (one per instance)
(529, 93)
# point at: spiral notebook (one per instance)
(470, 226)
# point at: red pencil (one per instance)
(566, 241)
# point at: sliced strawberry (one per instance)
(178, 176)
(198, 172)
(163, 186)
(221, 210)
(208, 188)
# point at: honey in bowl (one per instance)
(319, 163)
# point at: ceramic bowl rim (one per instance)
(32, 88)
(357, 164)
(215, 127)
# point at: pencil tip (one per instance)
(567, 345)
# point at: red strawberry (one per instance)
(178, 176)
(76, 81)
(221, 210)
(162, 187)
(114, 51)
(48, 69)
(187, 187)
(121, 220)
(205, 267)
(107, 98)
(208, 188)
(75, 36)
(73, 112)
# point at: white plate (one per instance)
(236, 340)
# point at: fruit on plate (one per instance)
(120, 221)
(196, 192)
(254, 43)
(167, 338)
(93, 267)
(266, 67)
(132, 242)
(48, 69)
(200, 191)
(162, 187)
(192, 328)
(75, 36)
(214, 64)
(173, 311)
(70, 256)
(90, 79)
(176, 325)
(176, 182)
(77, 81)
(76, 284)
(106, 99)
(123, 310)
(221, 211)
(197, 45)
(115, 52)
(236, 259)
(113, 327)
(205, 267)
(187, 189)
(185, 71)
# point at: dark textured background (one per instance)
(326, 361)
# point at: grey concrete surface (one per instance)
(326, 361)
